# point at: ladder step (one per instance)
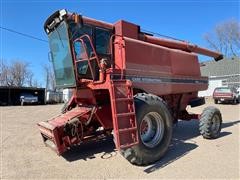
(127, 129)
(122, 95)
(126, 114)
(123, 99)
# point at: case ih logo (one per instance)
(144, 79)
(164, 80)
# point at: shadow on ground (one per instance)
(181, 145)
(90, 149)
(184, 131)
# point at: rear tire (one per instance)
(154, 123)
(210, 123)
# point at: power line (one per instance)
(42, 40)
(23, 34)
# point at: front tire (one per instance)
(154, 123)
(210, 123)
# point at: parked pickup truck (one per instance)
(27, 98)
(225, 94)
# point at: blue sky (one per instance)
(187, 20)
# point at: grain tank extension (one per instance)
(124, 82)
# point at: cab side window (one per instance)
(102, 40)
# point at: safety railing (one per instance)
(87, 56)
(111, 45)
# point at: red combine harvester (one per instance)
(124, 81)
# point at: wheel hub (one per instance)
(152, 129)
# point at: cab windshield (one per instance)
(60, 39)
(61, 56)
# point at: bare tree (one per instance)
(35, 83)
(49, 77)
(225, 38)
(4, 73)
(19, 73)
(30, 81)
(16, 74)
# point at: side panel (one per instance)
(159, 70)
(145, 57)
(185, 64)
(160, 86)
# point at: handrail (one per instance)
(111, 51)
(81, 39)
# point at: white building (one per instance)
(222, 73)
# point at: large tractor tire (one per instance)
(210, 123)
(154, 123)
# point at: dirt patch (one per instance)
(189, 156)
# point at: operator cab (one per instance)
(77, 44)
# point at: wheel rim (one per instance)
(216, 123)
(151, 129)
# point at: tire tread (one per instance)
(205, 122)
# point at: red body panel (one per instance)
(154, 68)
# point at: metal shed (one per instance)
(11, 95)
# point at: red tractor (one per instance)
(124, 81)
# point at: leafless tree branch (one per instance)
(225, 38)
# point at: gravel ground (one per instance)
(23, 155)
